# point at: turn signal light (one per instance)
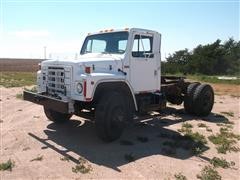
(88, 70)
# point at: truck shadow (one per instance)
(143, 139)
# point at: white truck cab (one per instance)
(117, 75)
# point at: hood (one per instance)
(100, 62)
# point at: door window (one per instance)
(142, 46)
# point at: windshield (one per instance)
(114, 43)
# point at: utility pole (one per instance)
(45, 52)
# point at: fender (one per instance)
(130, 89)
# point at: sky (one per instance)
(27, 26)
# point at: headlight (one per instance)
(79, 88)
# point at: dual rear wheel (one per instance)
(199, 99)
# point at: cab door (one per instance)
(144, 63)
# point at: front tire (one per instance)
(111, 116)
(56, 116)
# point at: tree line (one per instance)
(211, 59)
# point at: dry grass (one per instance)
(39, 158)
(83, 166)
(227, 89)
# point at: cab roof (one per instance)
(121, 30)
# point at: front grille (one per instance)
(56, 81)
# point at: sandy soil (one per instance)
(26, 134)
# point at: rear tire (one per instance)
(56, 116)
(188, 99)
(203, 100)
(111, 116)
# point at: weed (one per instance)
(196, 141)
(39, 158)
(129, 157)
(19, 96)
(199, 142)
(227, 125)
(26, 148)
(225, 141)
(33, 89)
(202, 125)
(217, 162)
(225, 131)
(142, 139)
(180, 176)
(82, 166)
(187, 125)
(229, 113)
(209, 173)
(65, 158)
(17, 79)
(126, 143)
(7, 165)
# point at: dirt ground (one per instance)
(19, 65)
(27, 134)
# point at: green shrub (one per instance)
(7, 165)
(220, 162)
(209, 173)
(225, 141)
(180, 176)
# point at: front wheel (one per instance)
(56, 116)
(111, 116)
